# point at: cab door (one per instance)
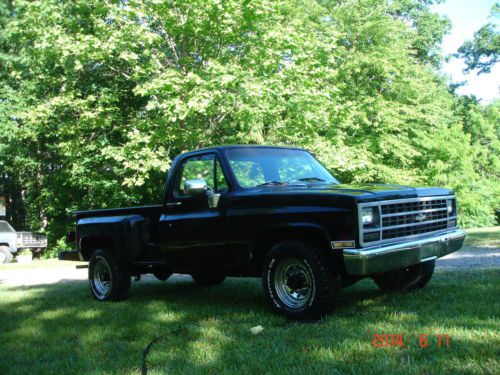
(191, 232)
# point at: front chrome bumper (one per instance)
(382, 258)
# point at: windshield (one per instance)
(276, 166)
(5, 227)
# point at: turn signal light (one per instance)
(342, 244)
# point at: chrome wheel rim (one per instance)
(293, 283)
(102, 278)
(3, 256)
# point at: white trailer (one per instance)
(12, 242)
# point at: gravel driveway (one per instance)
(51, 272)
(470, 258)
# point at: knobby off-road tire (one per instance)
(5, 255)
(406, 279)
(298, 281)
(203, 279)
(108, 278)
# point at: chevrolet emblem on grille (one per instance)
(420, 217)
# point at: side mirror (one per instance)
(195, 188)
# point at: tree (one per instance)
(99, 96)
(483, 51)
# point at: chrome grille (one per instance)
(400, 219)
(409, 218)
(409, 231)
(395, 208)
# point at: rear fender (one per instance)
(127, 236)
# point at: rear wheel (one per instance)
(298, 281)
(406, 279)
(5, 255)
(109, 279)
(204, 279)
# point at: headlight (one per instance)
(450, 205)
(369, 216)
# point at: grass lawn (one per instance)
(59, 328)
(483, 237)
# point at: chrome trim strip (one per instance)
(421, 199)
(419, 223)
(360, 221)
(365, 231)
(383, 258)
(407, 238)
(429, 258)
(416, 212)
(408, 200)
(445, 236)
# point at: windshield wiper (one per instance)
(311, 179)
(271, 183)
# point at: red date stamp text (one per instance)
(396, 340)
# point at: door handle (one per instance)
(171, 204)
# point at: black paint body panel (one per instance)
(192, 237)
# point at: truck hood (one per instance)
(360, 192)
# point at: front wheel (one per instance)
(298, 281)
(5, 255)
(109, 279)
(406, 279)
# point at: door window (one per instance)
(205, 167)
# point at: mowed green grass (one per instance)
(60, 329)
(483, 237)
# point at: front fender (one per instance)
(268, 235)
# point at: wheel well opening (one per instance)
(266, 240)
(89, 244)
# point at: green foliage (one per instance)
(24, 252)
(483, 52)
(58, 245)
(97, 97)
(481, 192)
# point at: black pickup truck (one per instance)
(275, 213)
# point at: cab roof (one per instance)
(228, 147)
